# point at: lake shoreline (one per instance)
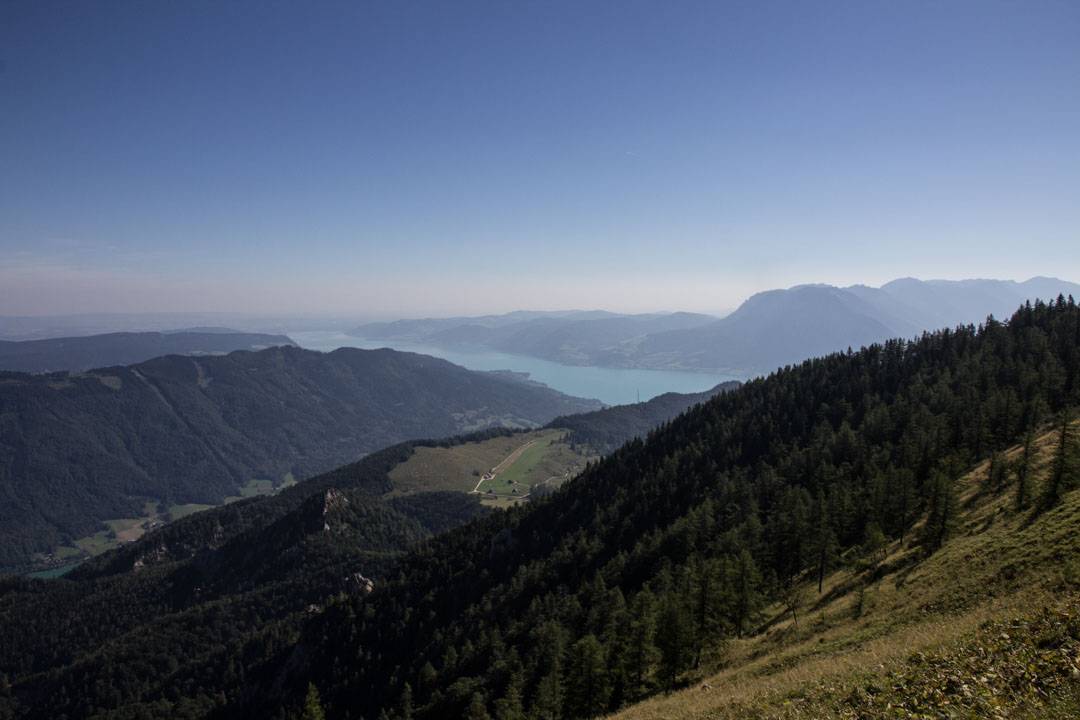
(612, 386)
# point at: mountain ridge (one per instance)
(86, 352)
(80, 448)
(770, 329)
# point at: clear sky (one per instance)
(413, 158)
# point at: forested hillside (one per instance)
(80, 448)
(177, 610)
(554, 609)
(125, 348)
(607, 429)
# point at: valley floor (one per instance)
(125, 530)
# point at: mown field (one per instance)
(520, 462)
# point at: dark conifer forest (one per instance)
(605, 430)
(608, 591)
(690, 531)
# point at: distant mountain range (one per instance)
(80, 448)
(127, 348)
(771, 329)
(571, 338)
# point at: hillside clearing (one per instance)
(501, 469)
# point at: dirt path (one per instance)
(506, 462)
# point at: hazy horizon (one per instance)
(346, 317)
(409, 160)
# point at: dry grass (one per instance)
(461, 467)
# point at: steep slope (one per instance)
(897, 633)
(77, 449)
(124, 348)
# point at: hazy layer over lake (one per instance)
(610, 385)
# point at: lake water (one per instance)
(609, 385)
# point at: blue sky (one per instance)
(413, 158)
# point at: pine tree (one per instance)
(313, 709)
(824, 540)
(903, 500)
(427, 680)
(674, 642)
(706, 606)
(509, 706)
(997, 472)
(792, 595)
(587, 687)
(747, 592)
(548, 702)
(641, 650)
(477, 709)
(616, 638)
(941, 512)
(1062, 470)
(405, 704)
(875, 546)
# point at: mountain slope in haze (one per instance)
(126, 348)
(769, 330)
(420, 329)
(571, 338)
(779, 327)
(941, 303)
(77, 449)
(652, 567)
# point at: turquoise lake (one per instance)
(612, 386)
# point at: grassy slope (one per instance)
(460, 468)
(989, 626)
